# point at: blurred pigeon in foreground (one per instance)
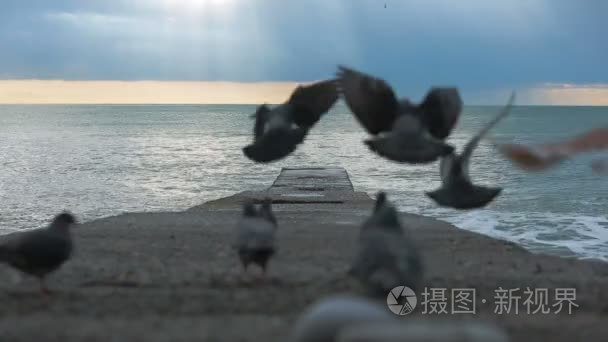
(543, 156)
(278, 131)
(386, 256)
(457, 191)
(41, 251)
(404, 132)
(324, 320)
(423, 330)
(255, 238)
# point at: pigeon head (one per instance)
(249, 209)
(63, 220)
(387, 217)
(380, 200)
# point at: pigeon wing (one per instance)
(261, 117)
(474, 141)
(595, 139)
(440, 111)
(309, 102)
(371, 99)
(446, 165)
(543, 156)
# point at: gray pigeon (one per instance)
(41, 251)
(404, 132)
(323, 320)
(255, 238)
(457, 190)
(386, 256)
(278, 131)
(389, 219)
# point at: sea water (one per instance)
(100, 160)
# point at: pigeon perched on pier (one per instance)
(386, 256)
(457, 190)
(403, 132)
(255, 238)
(543, 156)
(323, 320)
(40, 252)
(382, 204)
(278, 131)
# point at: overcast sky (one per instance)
(481, 46)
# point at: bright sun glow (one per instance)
(195, 5)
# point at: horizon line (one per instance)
(189, 92)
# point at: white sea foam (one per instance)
(584, 236)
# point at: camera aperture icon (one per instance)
(401, 300)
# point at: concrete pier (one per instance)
(173, 276)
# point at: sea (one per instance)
(103, 160)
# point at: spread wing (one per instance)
(543, 156)
(474, 141)
(595, 139)
(261, 117)
(309, 102)
(371, 99)
(446, 166)
(530, 158)
(440, 111)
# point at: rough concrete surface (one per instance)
(174, 277)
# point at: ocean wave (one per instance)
(545, 232)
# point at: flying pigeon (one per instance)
(543, 156)
(403, 132)
(42, 251)
(457, 190)
(386, 256)
(278, 131)
(255, 238)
